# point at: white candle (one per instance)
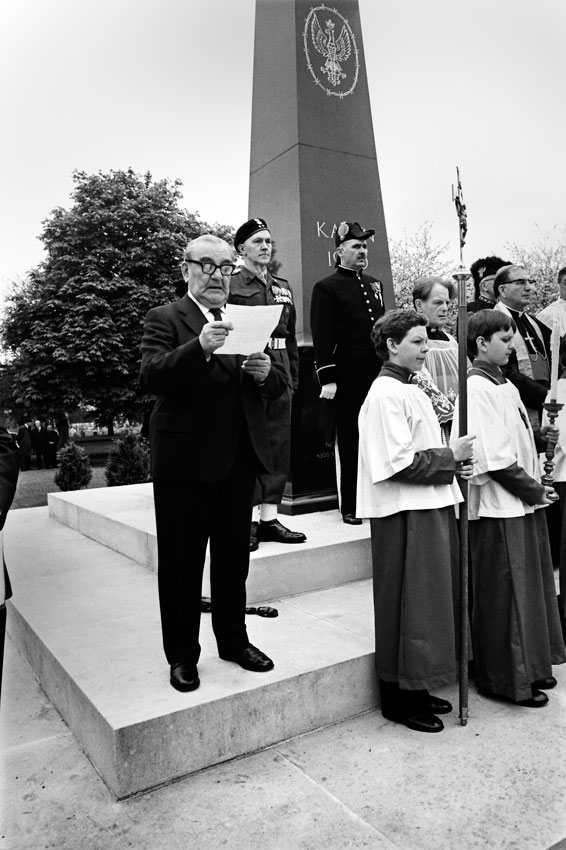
(554, 355)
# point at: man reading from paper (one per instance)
(209, 439)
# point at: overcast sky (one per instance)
(166, 85)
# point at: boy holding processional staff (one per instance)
(407, 487)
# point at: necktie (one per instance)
(217, 313)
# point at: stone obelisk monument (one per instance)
(313, 164)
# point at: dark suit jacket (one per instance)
(533, 393)
(9, 468)
(201, 405)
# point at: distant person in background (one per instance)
(483, 272)
(23, 439)
(36, 443)
(556, 311)
(8, 480)
(51, 443)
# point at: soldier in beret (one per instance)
(344, 309)
(254, 285)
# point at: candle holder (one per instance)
(552, 408)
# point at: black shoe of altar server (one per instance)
(350, 519)
(277, 533)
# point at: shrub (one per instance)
(74, 472)
(128, 461)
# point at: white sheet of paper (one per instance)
(253, 327)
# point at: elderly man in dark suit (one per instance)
(209, 440)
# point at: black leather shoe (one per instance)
(184, 677)
(254, 538)
(419, 722)
(350, 519)
(538, 700)
(250, 658)
(277, 533)
(545, 684)
(439, 706)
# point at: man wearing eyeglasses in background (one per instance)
(529, 366)
(209, 439)
(254, 285)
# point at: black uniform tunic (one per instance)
(247, 289)
(344, 309)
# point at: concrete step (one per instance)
(86, 618)
(122, 518)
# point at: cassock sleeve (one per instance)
(518, 482)
(431, 466)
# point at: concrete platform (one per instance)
(86, 618)
(361, 784)
(122, 518)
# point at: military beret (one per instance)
(248, 229)
(350, 230)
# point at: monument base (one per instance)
(86, 617)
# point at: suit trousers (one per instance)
(189, 514)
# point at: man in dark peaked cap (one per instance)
(344, 308)
(252, 286)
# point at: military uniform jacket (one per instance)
(249, 290)
(344, 309)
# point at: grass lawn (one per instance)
(34, 485)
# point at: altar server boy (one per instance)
(516, 631)
(407, 487)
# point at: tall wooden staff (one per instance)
(462, 276)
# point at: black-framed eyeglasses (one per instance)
(208, 267)
(529, 281)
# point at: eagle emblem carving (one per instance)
(335, 51)
(336, 42)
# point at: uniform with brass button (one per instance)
(344, 308)
(253, 286)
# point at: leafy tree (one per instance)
(413, 257)
(542, 259)
(73, 327)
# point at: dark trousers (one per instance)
(270, 486)
(355, 375)
(188, 515)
